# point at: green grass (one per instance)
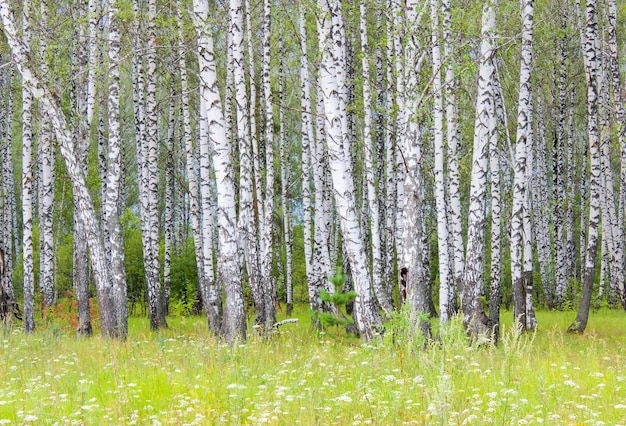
(184, 376)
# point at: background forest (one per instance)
(175, 157)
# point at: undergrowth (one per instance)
(185, 376)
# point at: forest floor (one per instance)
(183, 375)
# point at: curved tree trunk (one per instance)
(108, 319)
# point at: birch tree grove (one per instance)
(241, 159)
(108, 318)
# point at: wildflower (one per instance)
(344, 398)
(570, 383)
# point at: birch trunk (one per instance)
(556, 299)
(285, 172)
(541, 212)
(246, 222)
(213, 137)
(46, 206)
(112, 204)
(620, 113)
(445, 282)
(382, 294)
(81, 97)
(475, 320)
(195, 209)
(611, 231)
(28, 181)
(150, 181)
(322, 222)
(495, 291)
(267, 222)
(452, 138)
(366, 315)
(590, 58)
(307, 142)
(170, 170)
(521, 309)
(8, 307)
(233, 325)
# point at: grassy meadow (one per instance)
(184, 376)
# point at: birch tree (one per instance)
(556, 300)
(267, 221)
(620, 115)
(445, 284)
(307, 142)
(46, 200)
(82, 115)
(590, 59)
(233, 323)
(285, 178)
(246, 220)
(195, 209)
(112, 203)
(522, 312)
(383, 295)
(366, 315)
(475, 320)
(8, 305)
(453, 144)
(28, 181)
(149, 172)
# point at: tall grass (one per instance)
(184, 376)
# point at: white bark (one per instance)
(382, 294)
(192, 178)
(46, 201)
(590, 58)
(233, 326)
(474, 318)
(452, 138)
(147, 159)
(52, 104)
(28, 180)
(285, 179)
(521, 312)
(445, 282)
(307, 142)
(246, 220)
(496, 210)
(212, 138)
(620, 113)
(366, 315)
(267, 221)
(112, 203)
(557, 297)
(7, 200)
